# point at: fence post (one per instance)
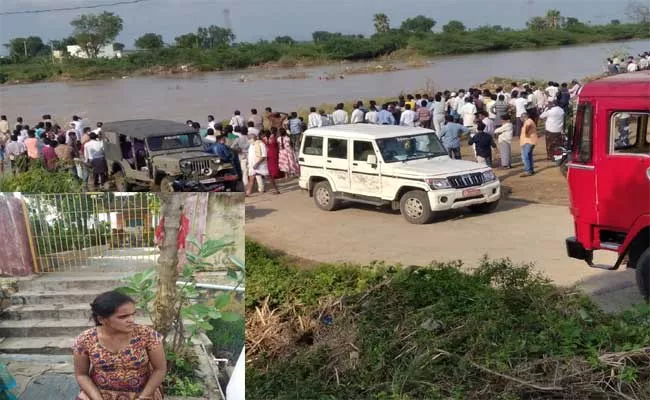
(30, 237)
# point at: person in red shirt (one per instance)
(49, 155)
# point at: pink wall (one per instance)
(15, 255)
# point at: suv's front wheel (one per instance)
(415, 207)
(324, 198)
(121, 184)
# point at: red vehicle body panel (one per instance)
(610, 192)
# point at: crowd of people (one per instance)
(616, 65)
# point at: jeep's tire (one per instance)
(484, 208)
(324, 198)
(643, 274)
(121, 183)
(415, 207)
(166, 185)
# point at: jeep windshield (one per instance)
(412, 147)
(173, 142)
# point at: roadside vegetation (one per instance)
(214, 48)
(339, 331)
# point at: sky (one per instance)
(253, 20)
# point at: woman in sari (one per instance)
(272, 153)
(118, 359)
(288, 162)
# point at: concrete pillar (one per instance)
(15, 253)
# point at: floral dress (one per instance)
(288, 162)
(119, 375)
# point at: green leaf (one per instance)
(206, 326)
(221, 301)
(212, 246)
(230, 316)
(232, 274)
(239, 263)
(188, 272)
(194, 242)
(214, 314)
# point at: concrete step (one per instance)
(47, 311)
(71, 296)
(55, 345)
(66, 282)
(50, 327)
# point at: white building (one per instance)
(104, 52)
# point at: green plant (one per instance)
(39, 180)
(143, 286)
(181, 379)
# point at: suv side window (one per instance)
(362, 150)
(628, 133)
(337, 148)
(313, 146)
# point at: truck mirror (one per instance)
(372, 159)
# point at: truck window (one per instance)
(582, 135)
(313, 146)
(337, 148)
(362, 150)
(628, 132)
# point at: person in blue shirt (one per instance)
(385, 116)
(221, 150)
(450, 137)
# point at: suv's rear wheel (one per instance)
(643, 274)
(415, 208)
(121, 183)
(484, 208)
(324, 198)
(167, 184)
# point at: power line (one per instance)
(116, 3)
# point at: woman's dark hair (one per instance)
(107, 303)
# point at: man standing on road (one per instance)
(237, 120)
(450, 136)
(408, 117)
(385, 116)
(438, 111)
(484, 143)
(340, 116)
(528, 140)
(520, 103)
(553, 126)
(314, 119)
(256, 119)
(424, 115)
(357, 115)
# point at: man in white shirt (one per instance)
(237, 120)
(408, 116)
(357, 115)
(211, 121)
(468, 113)
(94, 155)
(314, 119)
(551, 90)
(98, 129)
(631, 66)
(252, 129)
(488, 122)
(78, 125)
(520, 108)
(340, 116)
(372, 116)
(554, 125)
(540, 98)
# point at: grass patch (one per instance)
(433, 332)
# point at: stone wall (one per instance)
(15, 254)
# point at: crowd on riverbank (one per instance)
(264, 147)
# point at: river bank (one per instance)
(392, 51)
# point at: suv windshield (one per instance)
(412, 147)
(180, 141)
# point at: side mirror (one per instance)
(372, 159)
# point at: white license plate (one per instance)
(471, 192)
(211, 180)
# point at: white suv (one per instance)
(407, 168)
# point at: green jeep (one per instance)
(164, 154)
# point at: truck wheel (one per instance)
(643, 274)
(415, 207)
(484, 208)
(166, 185)
(324, 198)
(121, 183)
(564, 169)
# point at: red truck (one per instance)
(609, 173)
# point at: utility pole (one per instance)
(25, 46)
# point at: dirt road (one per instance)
(522, 231)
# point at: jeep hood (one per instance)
(435, 167)
(181, 155)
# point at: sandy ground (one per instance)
(529, 226)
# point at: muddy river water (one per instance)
(194, 96)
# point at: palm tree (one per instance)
(553, 19)
(382, 24)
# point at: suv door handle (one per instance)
(329, 161)
(301, 159)
(355, 164)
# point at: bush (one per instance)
(38, 180)
(502, 332)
